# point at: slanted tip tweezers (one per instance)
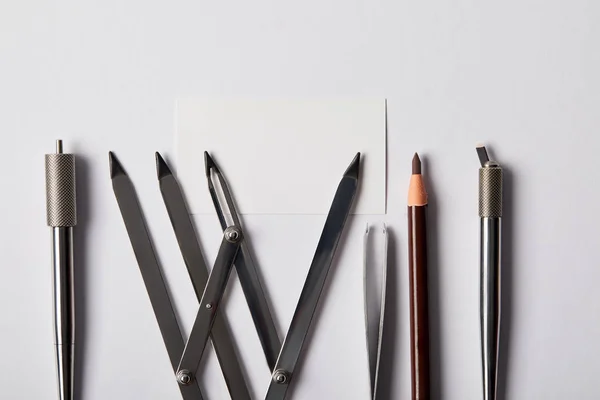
(185, 357)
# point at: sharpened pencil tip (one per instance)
(353, 169)
(116, 168)
(416, 165)
(162, 169)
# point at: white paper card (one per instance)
(282, 156)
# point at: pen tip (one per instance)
(416, 165)
(162, 169)
(116, 168)
(353, 169)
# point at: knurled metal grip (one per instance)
(61, 208)
(490, 190)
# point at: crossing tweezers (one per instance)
(185, 358)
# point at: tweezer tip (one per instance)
(353, 168)
(162, 169)
(116, 168)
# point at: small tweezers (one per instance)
(374, 332)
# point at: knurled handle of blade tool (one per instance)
(490, 212)
(490, 187)
(61, 204)
(61, 209)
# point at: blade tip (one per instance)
(162, 168)
(482, 154)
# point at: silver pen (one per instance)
(61, 211)
(490, 212)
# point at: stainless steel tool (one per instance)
(151, 271)
(185, 359)
(246, 268)
(375, 288)
(61, 210)
(490, 212)
(194, 260)
(313, 285)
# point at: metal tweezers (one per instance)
(185, 357)
(375, 299)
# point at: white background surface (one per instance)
(283, 151)
(520, 75)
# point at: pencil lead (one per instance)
(116, 168)
(353, 168)
(483, 155)
(162, 169)
(416, 165)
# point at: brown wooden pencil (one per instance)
(417, 262)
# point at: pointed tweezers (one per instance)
(150, 269)
(374, 333)
(313, 286)
(196, 266)
(246, 269)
